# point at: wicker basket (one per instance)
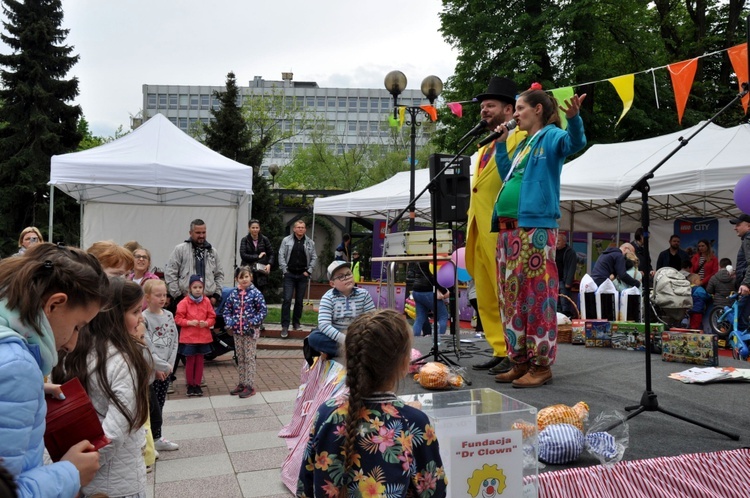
(565, 331)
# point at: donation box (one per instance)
(488, 442)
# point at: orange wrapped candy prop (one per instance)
(434, 375)
(557, 414)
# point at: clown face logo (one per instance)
(487, 482)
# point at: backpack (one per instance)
(671, 289)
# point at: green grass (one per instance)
(308, 317)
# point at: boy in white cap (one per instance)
(338, 308)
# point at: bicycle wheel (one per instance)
(718, 326)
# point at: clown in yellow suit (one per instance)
(497, 105)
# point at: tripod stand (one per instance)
(649, 401)
(433, 188)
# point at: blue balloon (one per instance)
(462, 275)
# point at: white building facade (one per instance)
(352, 115)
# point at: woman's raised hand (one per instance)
(573, 105)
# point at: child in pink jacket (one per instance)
(196, 317)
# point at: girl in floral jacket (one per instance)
(370, 443)
(244, 311)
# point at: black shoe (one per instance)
(190, 391)
(297, 327)
(501, 368)
(492, 362)
(197, 391)
(308, 352)
(284, 332)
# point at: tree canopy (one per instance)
(38, 121)
(564, 42)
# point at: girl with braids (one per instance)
(525, 215)
(111, 366)
(370, 443)
(46, 297)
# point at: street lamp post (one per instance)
(273, 170)
(395, 83)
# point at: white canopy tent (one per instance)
(698, 181)
(149, 185)
(382, 201)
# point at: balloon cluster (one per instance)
(453, 270)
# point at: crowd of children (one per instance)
(99, 317)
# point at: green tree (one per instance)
(574, 42)
(39, 121)
(88, 140)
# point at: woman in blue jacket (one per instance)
(46, 296)
(525, 215)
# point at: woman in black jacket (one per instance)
(256, 252)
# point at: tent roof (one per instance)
(381, 201)
(155, 164)
(698, 181)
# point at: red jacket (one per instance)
(710, 268)
(188, 310)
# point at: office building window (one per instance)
(342, 103)
(183, 123)
(194, 101)
(310, 101)
(352, 103)
(173, 121)
(151, 101)
(340, 127)
(339, 149)
(205, 99)
(173, 101)
(287, 149)
(332, 103)
(162, 101)
(184, 101)
(374, 105)
(352, 127)
(321, 103)
(374, 127)
(215, 103)
(363, 104)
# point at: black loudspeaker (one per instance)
(453, 188)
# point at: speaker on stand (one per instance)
(453, 188)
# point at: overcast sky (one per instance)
(124, 44)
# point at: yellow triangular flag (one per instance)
(625, 86)
(561, 95)
(401, 116)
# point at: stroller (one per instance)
(223, 342)
(670, 298)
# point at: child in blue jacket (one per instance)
(244, 311)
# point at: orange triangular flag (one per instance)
(738, 57)
(682, 74)
(430, 110)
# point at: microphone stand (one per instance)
(649, 401)
(432, 187)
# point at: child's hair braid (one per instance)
(378, 346)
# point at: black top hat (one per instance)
(500, 89)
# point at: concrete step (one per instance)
(271, 338)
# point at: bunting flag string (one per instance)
(561, 95)
(738, 57)
(430, 110)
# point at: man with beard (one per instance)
(497, 105)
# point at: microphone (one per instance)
(479, 128)
(497, 134)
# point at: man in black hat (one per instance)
(496, 107)
(742, 276)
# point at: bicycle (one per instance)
(724, 323)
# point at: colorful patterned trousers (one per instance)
(527, 293)
(244, 347)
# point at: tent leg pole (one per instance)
(80, 226)
(309, 280)
(51, 212)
